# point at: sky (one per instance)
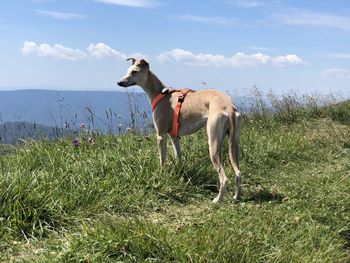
(233, 45)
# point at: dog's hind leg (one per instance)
(177, 148)
(233, 140)
(161, 139)
(216, 128)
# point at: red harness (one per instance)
(180, 99)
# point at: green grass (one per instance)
(110, 201)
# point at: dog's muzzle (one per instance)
(125, 83)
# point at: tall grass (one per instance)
(110, 122)
(291, 107)
(110, 201)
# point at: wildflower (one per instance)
(76, 142)
(91, 140)
(66, 124)
(82, 125)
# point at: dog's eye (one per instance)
(134, 71)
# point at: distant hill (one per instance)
(16, 132)
(101, 110)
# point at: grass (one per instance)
(110, 201)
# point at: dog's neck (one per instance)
(153, 86)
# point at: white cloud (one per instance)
(56, 51)
(214, 20)
(101, 50)
(28, 48)
(337, 72)
(305, 18)
(96, 51)
(132, 3)
(237, 60)
(59, 15)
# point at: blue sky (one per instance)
(233, 45)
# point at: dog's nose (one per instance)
(121, 83)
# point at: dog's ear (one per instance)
(144, 63)
(132, 60)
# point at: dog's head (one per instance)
(136, 74)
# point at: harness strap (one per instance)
(180, 99)
(160, 96)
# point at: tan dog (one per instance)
(205, 107)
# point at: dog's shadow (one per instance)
(200, 177)
(206, 179)
(263, 195)
(345, 234)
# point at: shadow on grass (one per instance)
(264, 195)
(186, 183)
(201, 177)
(346, 235)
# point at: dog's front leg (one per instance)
(177, 148)
(161, 139)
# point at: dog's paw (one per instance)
(237, 197)
(216, 200)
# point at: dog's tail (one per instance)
(234, 132)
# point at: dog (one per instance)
(209, 107)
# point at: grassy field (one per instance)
(110, 201)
